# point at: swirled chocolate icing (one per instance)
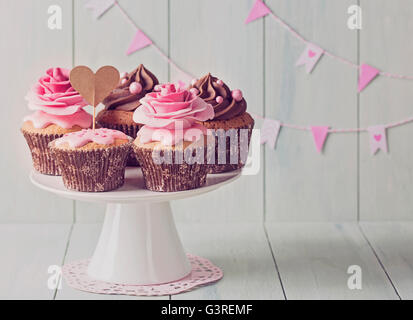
(211, 89)
(122, 98)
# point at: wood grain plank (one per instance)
(28, 49)
(242, 251)
(210, 36)
(386, 179)
(82, 243)
(313, 259)
(302, 185)
(27, 252)
(392, 241)
(104, 42)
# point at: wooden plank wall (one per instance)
(28, 48)
(295, 183)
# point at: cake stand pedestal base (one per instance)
(139, 245)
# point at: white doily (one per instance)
(203, 272)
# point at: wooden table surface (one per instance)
(273, 261)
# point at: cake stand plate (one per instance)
(139, 243)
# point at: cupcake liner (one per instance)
(130, 130)
(96, 170)
(170, 177)
(220, 168)
(43, 160)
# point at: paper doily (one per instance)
(203, 272)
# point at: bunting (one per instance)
(259, 10)
(139, 41)
(99, 7)
(310, 57)
(378, 139)
(319, 135)
(367, 74)
(312, 53)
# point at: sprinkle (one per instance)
(135, 88)
(237, 95)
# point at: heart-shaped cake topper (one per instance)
(94, 87)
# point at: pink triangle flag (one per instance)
(319, 134)
(378, 139)
(367, 74)
(269, 132)
(99, 7)
(259, 10)
(310, 57)
(140, 40)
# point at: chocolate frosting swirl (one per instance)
(122, 99)
(209, 89)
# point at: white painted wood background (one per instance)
(295, 183)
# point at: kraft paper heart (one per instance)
(94, 87)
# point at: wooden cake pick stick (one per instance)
(94, 87)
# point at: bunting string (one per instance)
(337, 130)
(187, 75)
(260, 10)
(377, 133)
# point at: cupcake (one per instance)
(231, 116)
(58, 109)
(172, 147)
(92, 160)
(124, 100)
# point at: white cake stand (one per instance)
(138, 244)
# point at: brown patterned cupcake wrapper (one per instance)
(43, 160)
(228, 166)
(130, 130)
(96, 170)
(170, 177)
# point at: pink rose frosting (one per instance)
(54, 94)
(100, 136)
(169, 115)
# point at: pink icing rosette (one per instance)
(56, 102)
(54, 94)
(169, 115)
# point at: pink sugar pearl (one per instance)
(237, 95)
(194, 91)
(135, 88)
(123, 81)
(220, 82)
(123, 74)
(219, 99)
